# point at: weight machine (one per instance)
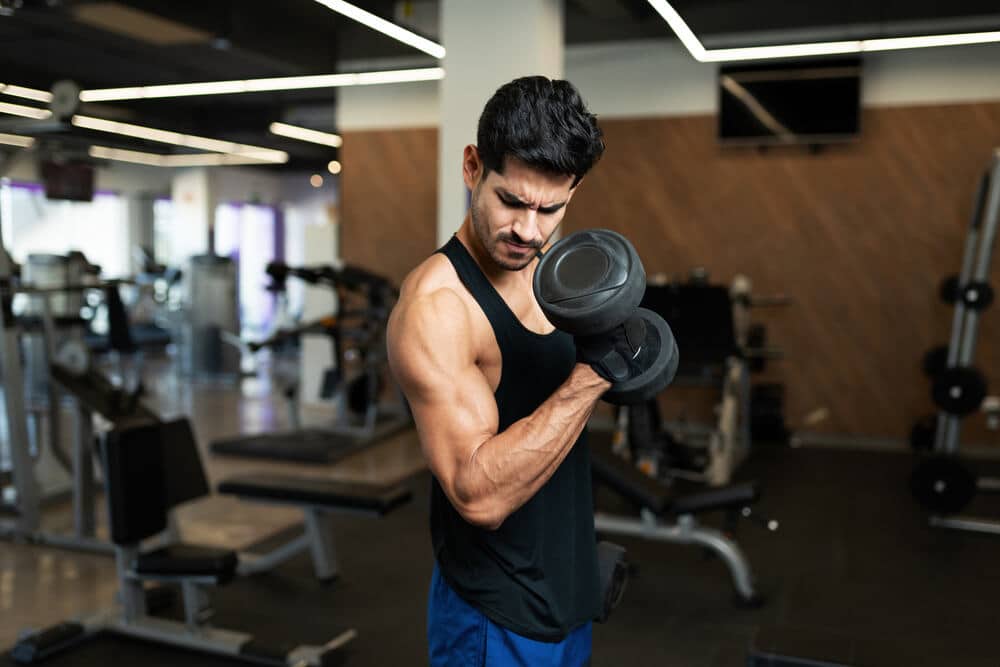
(357, 334)
(719, 348)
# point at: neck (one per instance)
(500, 277)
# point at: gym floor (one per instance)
(853, 564)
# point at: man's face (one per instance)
(515, 213)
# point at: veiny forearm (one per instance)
(506, 470)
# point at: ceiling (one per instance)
(102, 44)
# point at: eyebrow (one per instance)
(511, 199)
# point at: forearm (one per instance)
(506, 470)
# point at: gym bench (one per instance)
(149, 469)
(317, 498)
(667, 517)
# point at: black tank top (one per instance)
(537, 574)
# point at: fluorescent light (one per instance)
(16, 140)
(305, 134)
(26, 93)
(385, 27)
(26, 112)
(122, 155)
(334, 167)
(780, 51)
(926, 41)
(256, 153)
(680, 28)
(263, 85)
(700, 53)
(159, 160)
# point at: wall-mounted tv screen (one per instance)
(789, 103)
(69, 180)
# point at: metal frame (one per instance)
(317, 538)
(686, 530)
(29, 494)
(130, 618)
(977, 257)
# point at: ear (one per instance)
(472, 167)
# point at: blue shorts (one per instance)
(461, 636)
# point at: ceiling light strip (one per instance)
(26, 93)
(385, 27)
(262, 85)
(177, 139)
(122, 155)
(305, 134)
(159, 160)
(700, 53)
(24, 111)
(16, 140)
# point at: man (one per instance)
(500, 402)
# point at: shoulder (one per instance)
(434, 273)
(432, 316)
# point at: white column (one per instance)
(194, 209)
(489, 44)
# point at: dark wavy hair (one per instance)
(543, 123)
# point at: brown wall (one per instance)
(388, 210)
(858, 235)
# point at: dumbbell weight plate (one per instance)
(659, 357)
(589, 282)
(935, 361)
(959, 391)
(943, 484)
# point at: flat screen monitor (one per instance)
(68, 180)
(790, 103)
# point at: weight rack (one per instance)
(942, 482)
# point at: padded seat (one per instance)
(318, 492)
(734, 495)
(188, 560)
(622, 477)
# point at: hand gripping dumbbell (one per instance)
(589, 285)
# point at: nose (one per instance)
(526, 225)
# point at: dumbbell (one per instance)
(590, 285)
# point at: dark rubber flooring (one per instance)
(853, 564)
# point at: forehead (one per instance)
(530, 183)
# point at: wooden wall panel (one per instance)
(388, 202)
(858, 235)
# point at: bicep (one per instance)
(432, 356)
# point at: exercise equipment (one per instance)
(33, 479)
(149, 470)
(590, 284)
(712, 324)
(317, 498)
(941, 481)
(209, 313)
(357, 335)
(668, 517)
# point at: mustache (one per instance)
(514, 238)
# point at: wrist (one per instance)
(587, 377)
